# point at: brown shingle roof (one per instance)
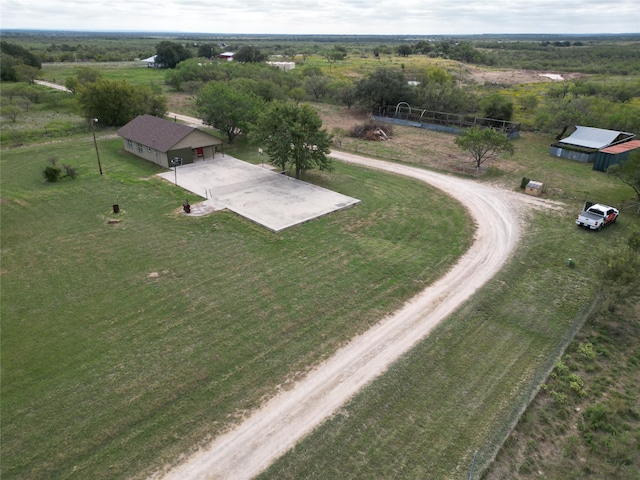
(155, 132)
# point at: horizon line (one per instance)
(177, 32)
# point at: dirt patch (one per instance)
(424, 148)
(516, 77)
(343, 118)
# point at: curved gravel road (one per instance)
(278, 425)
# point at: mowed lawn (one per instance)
(463, 388)
(125, 345)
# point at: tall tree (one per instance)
(292, 135)
(208, 50)
(83, 76)
(437, 90)
(228, 108)
(562, 114)
(405, 50)
(12, 56)
(628, 172)
(317, 85)
(385, 86)
(249, 54)
(497, 106)
(116, 102)
(344, 91)
(170, 54)
(484, 144)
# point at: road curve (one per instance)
(249, 448)
(277, 426)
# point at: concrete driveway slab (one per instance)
(270, 199)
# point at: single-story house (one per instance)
(584, 144)
(160, 141)
(228, 56)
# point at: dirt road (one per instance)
(278, 425)
(55, 86)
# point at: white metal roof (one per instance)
(590, 137)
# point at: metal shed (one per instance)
(584, 144)
(614, 154)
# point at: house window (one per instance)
(149, 149)
(129, 144)
(140, 148)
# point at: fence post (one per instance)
(473, 465)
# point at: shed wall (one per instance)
(605, 160)
(572, 154)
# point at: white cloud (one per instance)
(327, 17)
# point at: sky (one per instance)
(327, 17)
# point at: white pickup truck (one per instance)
(597, 216)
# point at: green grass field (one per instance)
(124, 345)
(459, 391)
(133, 72)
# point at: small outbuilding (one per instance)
(159, 141)
(534, 188)
(286, 66)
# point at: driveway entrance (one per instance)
(270, 199)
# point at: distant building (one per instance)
(151, 62)
(286, 66)
(228, 56)
(159, 141)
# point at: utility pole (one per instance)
(176, 162)
(93, 130)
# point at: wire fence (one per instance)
(403, 112)
(486, 455)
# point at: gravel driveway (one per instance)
(278, 425)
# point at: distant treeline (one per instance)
(582, 56)
(596, 54)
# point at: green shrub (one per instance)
(586, 350)
(560, 398)
(577, 384)
(524, 182)
(51, 173)
(597, 417)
